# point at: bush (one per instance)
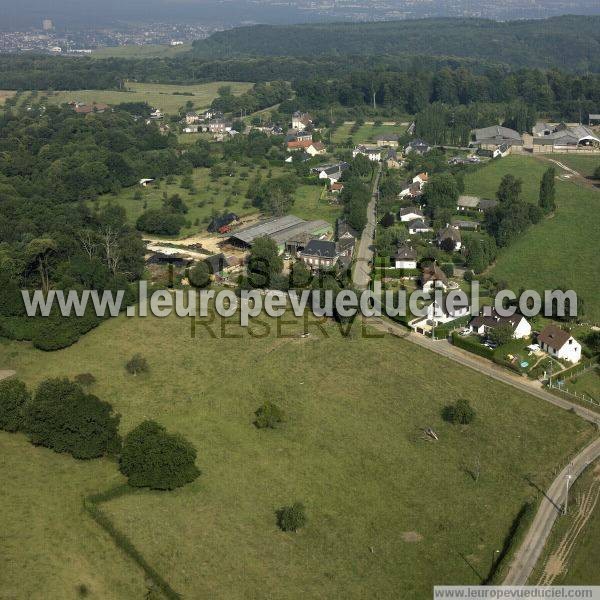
(448, 269)
(153, 458)
(291, 518)
(13, 396)
(160, 221)
(137, 364)
(61, 416)
(85, 379)
(468, 276)
(199, 275)
(268, 416)
(461, 413)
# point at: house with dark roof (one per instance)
(490, 138)
(408, 214)
(453, 235)
(217, 263)
(319, 255)
(301, 121)
(559, 343)
(418, 226)
(405, 257)
(488, 320)
(387, 140)
(432, 277)
(417, 146)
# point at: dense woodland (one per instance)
(570, 42)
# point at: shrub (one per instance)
(13, 396)
(85, 379)
(199, 275)
(291, 518)
(268, 416)
(63, 417)
(468, 276)
(461, 413)
(153, 458)
(448, 269)
(137, 364)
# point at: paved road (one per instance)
(362, 267)
(550, 508)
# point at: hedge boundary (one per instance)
(91, 505)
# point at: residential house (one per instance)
(417, 146)
(301, 121)
(191, 118)
(316, 149)
(485, 204)
(432, 277)
(296, 145)
(421, 179)
(387, 140)
(559, 343)
(410, 214)
(405, 257)
(334, 172)
(218, 126)
(418, 226)
(319, 255)
(438, 313)
(484, 323)
(392, 160)
(467, 203)
(146, 182)
(191, 129)
(453, 235)
(373, 154)
(466, 225)
(336, 188)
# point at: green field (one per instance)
(149, 51)
(169, 98)
(588, 384)
(310, 205)
(559, 251)
(387, 509)
(586, 165)
(366, 133)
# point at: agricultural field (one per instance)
(169, 98)
(148, 51)
(559, 251)
(226, 193)
(558, 565)
(587, 383)
(387, 509)
(586, 165)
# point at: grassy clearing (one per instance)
(581, 566)
(49, 546)
(365, 133)
(169, 98)
(588, 383)
(586, 165)
(387, 510)
(149, 51)
(561, 250)
(311, 204)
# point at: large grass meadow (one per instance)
(389, 513)
(561, 250)
(168, 98)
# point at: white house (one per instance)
(482, 324)
(191, 129)
(439, 312)
(373, 154)
(301, 121)
(418, 226)
(316, 148)
(450, 233)
(405, 258)
(410, 214)
(421, 179)
(559, 343)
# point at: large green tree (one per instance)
(547, 199)
(264, 262)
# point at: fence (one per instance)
(558, 382)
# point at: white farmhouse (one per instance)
(559, 343)
(483, 324)
(405, 258)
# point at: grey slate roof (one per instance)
(320, 248)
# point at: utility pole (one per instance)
(568, 479)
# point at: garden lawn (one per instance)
(311, 204)
(388, 511)
(559, 251)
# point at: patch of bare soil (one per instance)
(411, 536)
